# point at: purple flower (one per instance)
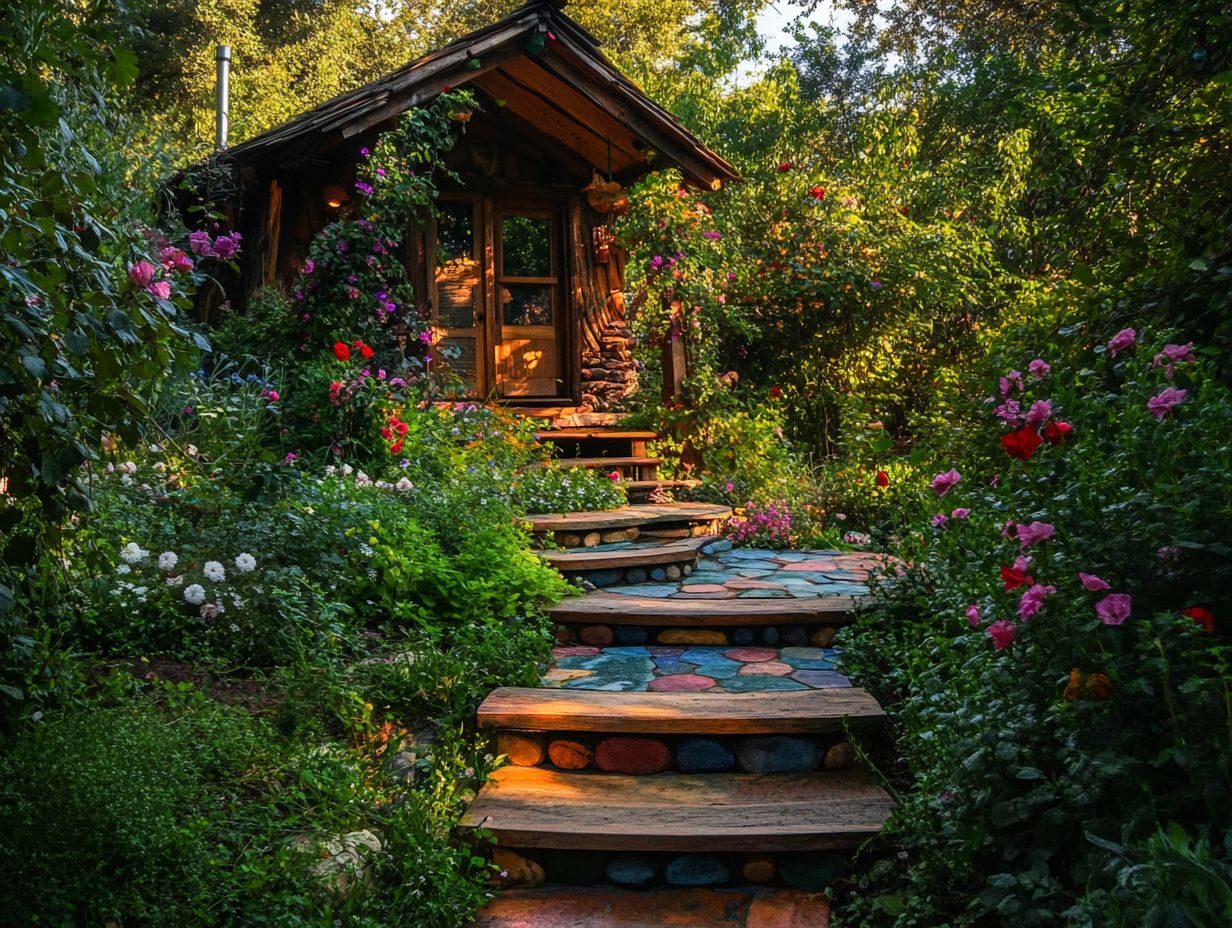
(1038, 368)
(1010, 411)
(225, 246)
(1039, 412)
(365, 189)
(1092, 583)
(1114, 608)
(960, 513)
(940, 519)
(290, 458)
(712, 235)
(309, 266)
(200, 243)
(1169, 399)
(973, 616)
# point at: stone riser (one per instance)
(810, 870)
(593, 539)
(647, 755)
(664, 572)
(599, 635)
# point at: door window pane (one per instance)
(455, 232)
(527, 304)
(526, 246)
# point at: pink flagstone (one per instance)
(812, 566)
(773, 668)
(726, 594)
(702, 588)
(751, 655)
(680, 683)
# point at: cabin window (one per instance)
(527, 276)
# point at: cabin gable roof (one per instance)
(540, 65)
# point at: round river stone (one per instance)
(633, 755)
(777, 754)
(697, 870)
(704, 755)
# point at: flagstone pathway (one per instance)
(693, 735)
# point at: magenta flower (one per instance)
(174, 260)
(940, 519)
(973, 616)
(1114, 608)
(1011, 381)
(943, 483)
(1002, 633)
(290, 458)
(309, 266)
(1169, 399)
(141, 273)
(1039, 368)
(160, 289)
(1175, 354)
(1122, 340)
(1032, 601)
(1092, 583)
(225, 246)
(200, 243)
(1034, 533)
(960, 513)
(1169, 553)
(1011, 412)
(712, 235)
(271, 395)
(1039, 413)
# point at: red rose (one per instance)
(776, 392)
(1202, 616)
(387, 433)
(818, 192)
(400, 427)
(366, 351)
(396, 447)
(784, 165)
(1014, 577)
(1055, 432)
(883, 479)
(341, 351)
(1021, 444)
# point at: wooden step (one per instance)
(791, 712)
(616, 609)
(612, 462)
(663, 907)
(594, 435)
(627, 554)
(533, 807)
(642, 488)
(627, 517)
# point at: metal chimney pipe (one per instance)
(222, 95)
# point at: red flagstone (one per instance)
(743, 584)
(751, 655)
(726, 594)
(680, 683)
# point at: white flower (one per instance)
(128, 467)
(194, 595)
(125, 480)
(191, 451)
(167, 560)
(214, 572)
(175, 581)
(362, 478)
(209, 610)
(133, 553)
(237, 602)
(404, 485)
(365, 549)
(235, 629)
(245, 563)
(159, 466)
(154, 449)
(330, 470)
(347, 470)
(124, 569)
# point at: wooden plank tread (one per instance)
(627, 516)
(594, 463)
(628, 554)
(594, 435)
(535, 807)
(616, 609)
(666, 484)
(791, 712)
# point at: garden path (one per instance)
(691, 743)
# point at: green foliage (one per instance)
(1080, 725)
(560, 488)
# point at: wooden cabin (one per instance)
(518, 271)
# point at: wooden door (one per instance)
(459, 304)
(528, 301)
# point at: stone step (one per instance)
(639, 516)
(622, 555)
(534, 807)
(609, 907)
(791, 712)
(669, 612)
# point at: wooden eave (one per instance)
(569, 91)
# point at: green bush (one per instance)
(1055, 654)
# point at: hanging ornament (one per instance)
(606, 196)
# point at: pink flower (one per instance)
(1002, 633)
(1122, 340)
(141, 273)
(1169, 553)
(271, 395)
(1033, 600)
(940, 519)
(309, 266)
(1008, 529)
(174, 260)
(160, 289)
(1113, 609)
(1010, 411)
(613, 476)
(960, 513)
(1039, 413)
(973, 616)
(1175, 354)
(1169, 399)
(1034, 533)
(290, 458)
(729, 486)
(943, 483)
(1011, 381)
(1092, 583)
(200, 243)
(1039, 368)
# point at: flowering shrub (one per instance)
(558, 488)
(766, 526)
(1056, 656)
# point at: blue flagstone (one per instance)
(749, 553)
(755, 570)
(656, 590)
(704, 755)
(622, 652)
(761, 682)
(763, 594)
(794, 557)
(822, 679)
(808, 654)
(674, 670)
